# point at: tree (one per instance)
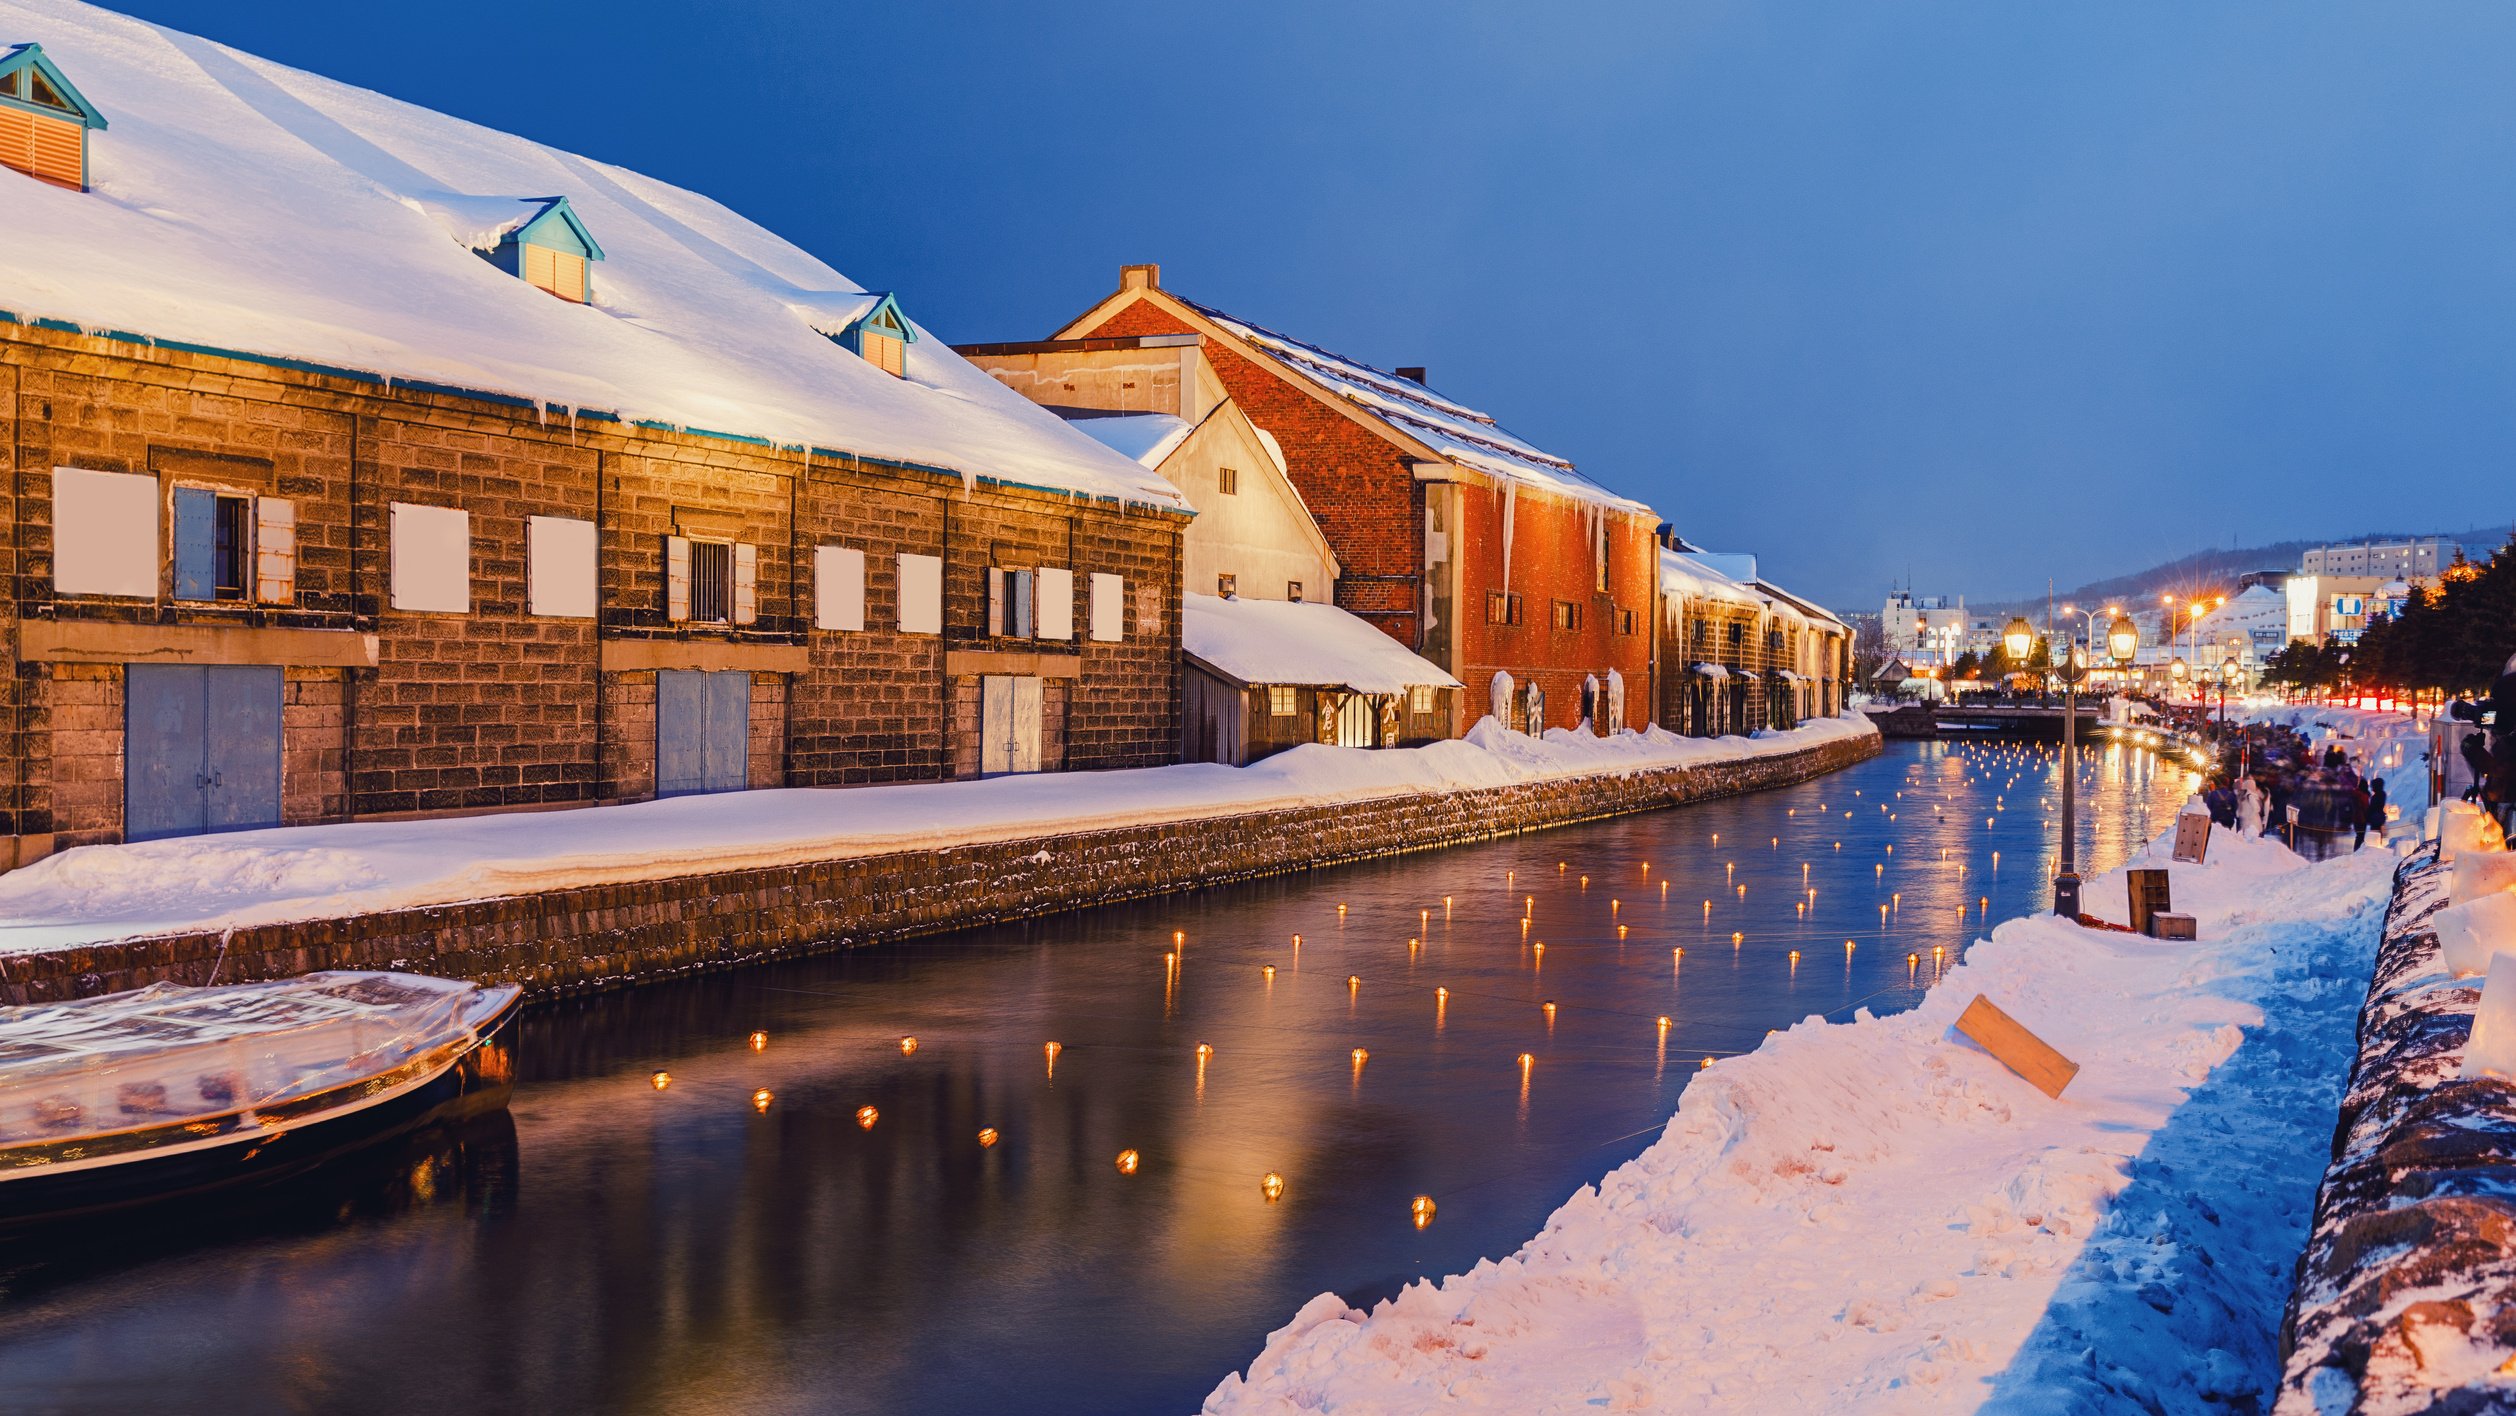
(1966, 667)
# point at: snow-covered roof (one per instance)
(1284, 641)
(242, 207)
(1682, 573)
(1807, 609)
(1464, 435)
(1738, 565)
(1146, 438)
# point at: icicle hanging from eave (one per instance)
(1509, 491)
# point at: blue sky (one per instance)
(1981, 291)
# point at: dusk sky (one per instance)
(1983, 292)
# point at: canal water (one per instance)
(803, 1218)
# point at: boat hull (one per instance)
(479, 1078)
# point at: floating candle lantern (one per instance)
(986, 1137)
(1205, 1049)
(1268, 970)
(1353, 982)
(1441, 994)
(660, 1080)
(1128, 1161)
(759, 1042)
(1361, 1056)
(1664, 1023)
(760, 1099)
(908, 1047)
(866, 1116)
(1271, 1185)
(1422, 1209)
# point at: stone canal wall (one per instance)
(607, 936)
(2402, 1301)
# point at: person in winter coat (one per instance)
(2476, 761)
(2221, 800)
(2359, 798)
(2376, 806)
(2249, 807)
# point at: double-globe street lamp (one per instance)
(2122, 641)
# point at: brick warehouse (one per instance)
(1496, 561)
(256, 583)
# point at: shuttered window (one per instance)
(42, 147)
(562, 273)
(274, 550)
(885, 352)
(698, 580)
(746, 583)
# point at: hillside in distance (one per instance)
(2215, 571)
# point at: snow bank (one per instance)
(1304, 642)
(100, 893)
(248, 207)
(1877, 1216)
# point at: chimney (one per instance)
(1413, 372)
(1140, 277)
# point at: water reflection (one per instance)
(1377, 1035)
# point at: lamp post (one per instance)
(2229, 672)
(2018, 639)
(2066, 879)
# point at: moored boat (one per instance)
(170, 1090)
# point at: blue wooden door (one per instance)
(241, 747)
(163, 707)
(702, 732)
(201, 749)
(728, 752)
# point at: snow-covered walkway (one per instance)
(1877, 1216)
(96, 894)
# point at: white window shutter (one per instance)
(676, 577)
(1057, 602)
(838, 587)
(104, 533)
(746, 583)
(995, 602)
(274, 550)
(562, 566)
(921, 594)
(1109, 608)
(431, 559)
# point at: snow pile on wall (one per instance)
(2402, 1302)
(95, 894)
(1305, 642)
(250, 207)
(1876, 1216)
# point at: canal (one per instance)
(802, 1216)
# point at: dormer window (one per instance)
(538, 240)
(44, 120)
(869, 325)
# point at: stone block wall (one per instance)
(608, 936)
(500, 708)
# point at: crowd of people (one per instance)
(2272, 781)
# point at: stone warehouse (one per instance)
(472, 502)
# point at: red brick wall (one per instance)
(1552, 559)
(1364, 495)
(1359, 487)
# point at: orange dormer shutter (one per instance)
(56, 150)
(561, 273)
(41, 147)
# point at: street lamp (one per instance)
(2229, 672)
(2122, 640)
(2018, 638)
(2066, 879)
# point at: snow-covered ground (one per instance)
(100, 893)
(1878, 1216)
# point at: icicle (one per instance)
(1511, 499)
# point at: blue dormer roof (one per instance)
(29, 59)
(556, 226)
(883, 318)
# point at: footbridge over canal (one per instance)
(2002, 722)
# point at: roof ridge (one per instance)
(1404, 388)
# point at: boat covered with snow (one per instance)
(170, 1090)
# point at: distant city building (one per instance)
(2418, 559)
(1923, 629)
(2335, 608)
